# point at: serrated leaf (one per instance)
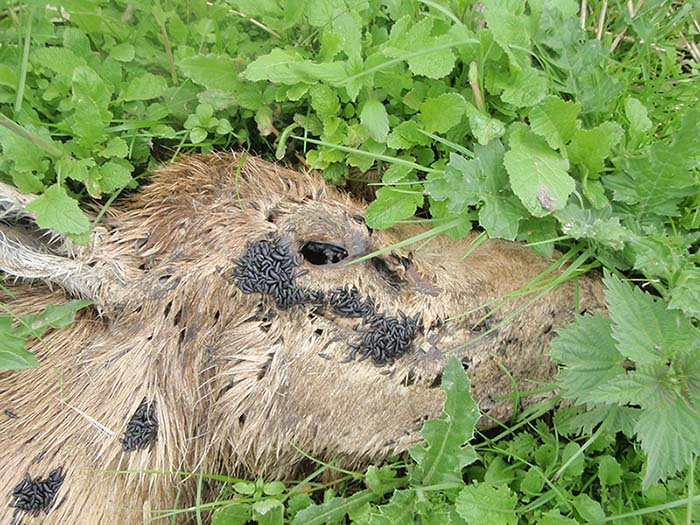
(589, 359)
(113, 176)
(525, 88)
(324, 100)
(393, 205)
(685, 294)
(58, 59)
(445, 454)
(670, 436)
(644, 329)
(484, 128)
(116, 147)
(482, 503)
(590, 147)
(13, 355)
(555, 120)
(375, 119)
(55, 210)
(211, 71)
(500, 216)
(145, 86)
(26, 156)
(440, 114)
(538, 174)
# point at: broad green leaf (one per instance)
(13, 355)
(609, 471)
(588, 357)
(644, 329)
(589, 509)
(398, 511)
(289, 67)
(554, 518)
(445, 454)
(55, 210)
(509, 27)
(211, 71)
(58, 59)
(482, 503)
(483, 126)
(324, 100)
(590, 147)
(637, 115)
(555, 120)
(670, 435)
(113, 176)
(26, 156)
(8, 77)
(375, 119)
(525, 88)
(236, 514)
(393, 205)
(440, 114)
(408, 38)
(116, 147)
(500, 216)
(123, 52)
(333, 509)
(145, 86)
(538, 174)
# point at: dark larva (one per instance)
(33, 495)
(347, 302)
(142, 428)
(387, 338)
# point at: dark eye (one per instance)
(319, 253)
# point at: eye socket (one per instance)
(320, 253)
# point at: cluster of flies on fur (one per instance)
(268, 267)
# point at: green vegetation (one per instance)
(558, 123)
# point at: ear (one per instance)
(30, 252)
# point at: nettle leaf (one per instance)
(670, 436)
(645, 331)
(393, 205)
(590, 147)
(145, 86)
(685, 294)
(211, 71)
(440, 114)
(55, 210)
(598, 224)
(538, 174)
(444, 456)
(375, 119)
(483, 503)
(408, 37)
(590, 361)
(555, 120)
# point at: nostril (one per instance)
(466, 363)
(436, 382)
(320, 253)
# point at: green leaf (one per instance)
(482, 503)
(123, 52)
(333, 509)
(524, 89)
(114, 176)
(375, 119)
(324, 100)
(670, 435)
(116, 147)
(500, 216)
(538, 174)
(609, 471)
(398, 511)
(590, 147)
(13, 355)
(555, 120)
(644, 329)
(554, 518)
(58, 59)
(289, 67)
(393, 205)
(589, 509)
(484, 127)
(440, 114)
(145, 86)
(638, 116)
(211, 71)
(53, 316)
(236, 514)
(55, 210)
(445, 454)
(685, 294)
(589, 359)
(408, 37)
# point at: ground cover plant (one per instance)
(558, 123)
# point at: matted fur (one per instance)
(239, 385)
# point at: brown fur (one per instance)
(237, 393)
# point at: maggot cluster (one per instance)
(34, 495)
(268, 267)
(142, 428)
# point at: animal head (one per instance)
(233, 299)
